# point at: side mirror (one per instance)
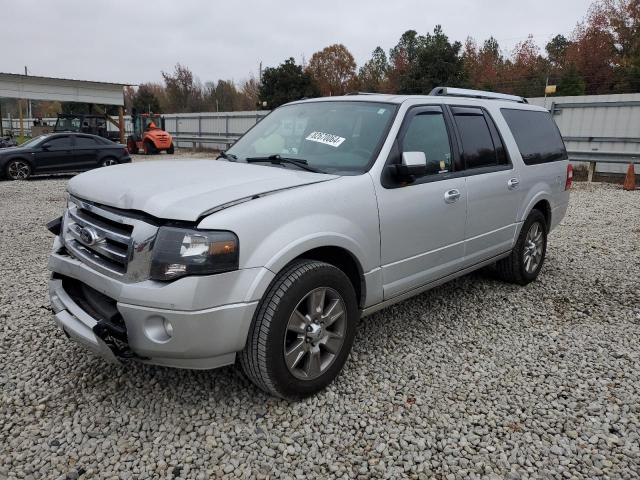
(45, 148)
(413, 164)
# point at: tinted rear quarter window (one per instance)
(536, 135)
(59, 142)
(85, 142)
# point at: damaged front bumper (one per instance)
(79, 325)
(193, 322)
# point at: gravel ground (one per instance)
(475, 379)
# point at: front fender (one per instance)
(312, 241)
(275, 229)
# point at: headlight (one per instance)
(178, 252)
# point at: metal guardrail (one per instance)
(197, 139)
(593, 157)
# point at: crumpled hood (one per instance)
(184, 189)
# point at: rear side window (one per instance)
(536, 134)
(59, 142)
(85, 142)
(481, 144)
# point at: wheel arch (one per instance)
(344, 260)
(545, 208)
(540, 201)
(337, 250)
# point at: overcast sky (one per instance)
(132, 41)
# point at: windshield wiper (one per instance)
(227, 156)
(278, 160)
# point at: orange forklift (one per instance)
(149, 134)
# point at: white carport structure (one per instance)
(30, 87)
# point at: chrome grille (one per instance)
(108, 240)
(110, 244)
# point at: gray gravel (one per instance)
(476, 379)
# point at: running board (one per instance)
(428, 286)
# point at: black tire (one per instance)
(107, 162)
(170, 150)
(263, 358)
(150, 148)
(132, 146)
(18, 170)
(513, 269)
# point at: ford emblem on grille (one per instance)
(88, 236)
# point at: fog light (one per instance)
(168, 328)
(158, 329)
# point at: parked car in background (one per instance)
(327, 210)
(56, 153)
(7, 141)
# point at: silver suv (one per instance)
(326, 211)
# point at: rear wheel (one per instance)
(302, 333)
(107, 162)
(524, 263)
(18, 170)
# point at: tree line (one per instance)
(601, 55)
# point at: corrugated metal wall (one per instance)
(224, 124)
(606, 123)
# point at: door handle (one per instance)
(451, 196)
(513, 183)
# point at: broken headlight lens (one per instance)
(180, 252)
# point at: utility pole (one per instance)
(260, 72)
(29, 112)
(21, 120)
(546, 84)
(1, 122)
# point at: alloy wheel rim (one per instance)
(109, 162)
(315, 333)
(533, 248)
(19, 170)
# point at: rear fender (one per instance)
(536, 194)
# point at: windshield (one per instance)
(151, 122)
(35, 141)
(67, 124)
(331, 136)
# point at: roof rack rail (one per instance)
(362, 93)
(464, 92)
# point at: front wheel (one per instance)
(149, 148)
(18, 170)
(302, 333)
(524, 263)
(171, 149)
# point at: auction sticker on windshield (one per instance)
(326, 138)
